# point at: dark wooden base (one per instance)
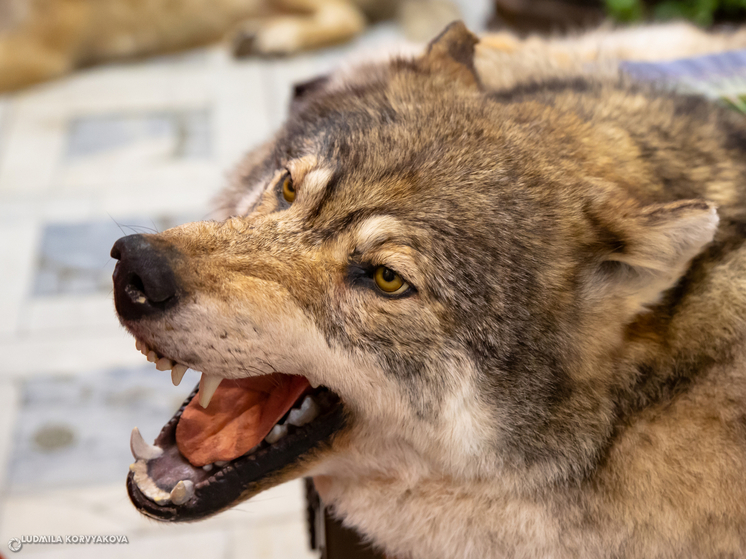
(329, 536)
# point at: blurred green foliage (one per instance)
(738, 103)
(701, 12)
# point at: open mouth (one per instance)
(229, 440)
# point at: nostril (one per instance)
(136, 289)
(136, 282)
(156, 290)
(144, 280)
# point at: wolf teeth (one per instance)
(308, 411)
(142, 450)
(208, 384)
(277, 433)
(146, 485)
(177, 373)
(182, 492)
(164, 364)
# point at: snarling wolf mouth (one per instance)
(231, 438)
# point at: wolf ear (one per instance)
(649, 249)
(452, 53)
(303, 90)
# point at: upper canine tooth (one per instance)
(308, 411)
(177, 373)
(182, 492)
(142, 450)
(208, 384)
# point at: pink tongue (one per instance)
(241, 413)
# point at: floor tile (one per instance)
(55, 315)
(287, 539)
(32, 149)
(9, 406)
(68, 352)
(18, 244)
(185, 132)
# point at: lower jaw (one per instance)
(225, 485)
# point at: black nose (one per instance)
(144, 281)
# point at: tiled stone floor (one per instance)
(109, 151)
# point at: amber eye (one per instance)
(388, 280)
(288, 189)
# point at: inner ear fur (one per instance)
(651, 248)
(452, 54)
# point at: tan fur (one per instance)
(568, 377)
(46, 39)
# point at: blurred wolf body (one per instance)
(561, 369)
(45, 39)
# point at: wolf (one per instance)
(490, 297)
(45, 39)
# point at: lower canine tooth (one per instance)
(208, 384)
(177, 373)
(308, 411)
(142, 450)
(182, 492)
(277, 432)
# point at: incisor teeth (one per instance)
(152, 356)
(177, 373)
(182, 492)
(164, 364)
(146, 485)
(208, 384)
(307, 413)
(277, 432)
(138, 344)
(142, 450)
